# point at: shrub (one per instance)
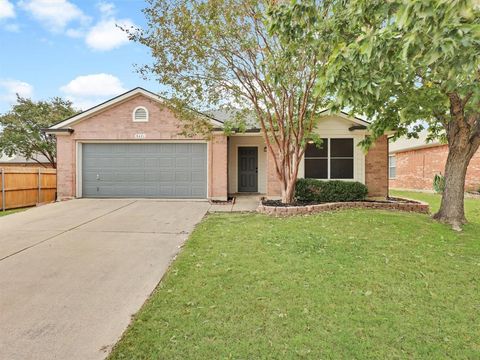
(439, 183)
(312, 190)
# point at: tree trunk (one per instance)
(288, 190)
(452, 208)
(463, 142)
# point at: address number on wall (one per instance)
(140, 136)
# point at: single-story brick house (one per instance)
(130, 146)
(413, 163)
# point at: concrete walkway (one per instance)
(73, 273)
(242, 203)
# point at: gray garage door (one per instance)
(168, 170)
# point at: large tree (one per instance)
(219, 53)
(409, 65)
(21, 127)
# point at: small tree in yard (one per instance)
(220, 53)
(407, 64)
(21, 127)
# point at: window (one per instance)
(332, 160)
(392, 167)
(316, 160)
(140, 114)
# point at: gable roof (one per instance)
(117, 99)
(254, 126)
(217, 117)
(345, 115)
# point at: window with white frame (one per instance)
(333, 159)
(140, 114)
(392, 167)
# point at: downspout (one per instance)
(388, 167)
(228, 165)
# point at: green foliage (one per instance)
(439, 183)
(21, 127)
(313, 190)
(211, 54)
(397, 62)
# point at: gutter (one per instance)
(357, 127)
(51, 131)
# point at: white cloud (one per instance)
(6, 9)
(9, 88)
(106, 35)
(107, 9)
(86, 91)
(55, 15)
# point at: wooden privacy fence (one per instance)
(21, 187)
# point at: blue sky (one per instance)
(69, 48)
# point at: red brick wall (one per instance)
(218, 187)
(376, 168)
(274, 186)
(416, 168)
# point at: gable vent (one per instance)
(140, 114)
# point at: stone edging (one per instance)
(416, 206)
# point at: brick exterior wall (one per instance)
(376, 168)
(218, 168)
(115, 123)
(274, 188)
(416, 168)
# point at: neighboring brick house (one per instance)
(130, 146)
(413, 164)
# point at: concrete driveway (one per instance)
(73, 273)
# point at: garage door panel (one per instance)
(182, 190)
(167, 190)
(197, 176)
(182, 176)
(167, 170)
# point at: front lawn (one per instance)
(350, 284)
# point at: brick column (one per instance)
(218, 168)
(274, 189)
(376, 168)
(65, 167)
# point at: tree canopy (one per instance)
(220, 53)
(407, 65)
(21, 127)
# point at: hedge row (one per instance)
(312, 190)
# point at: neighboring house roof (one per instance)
(16, 159)
(404, 144)
(63, 125)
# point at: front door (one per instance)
(247, 169)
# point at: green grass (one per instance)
(12, 211)
(342, 285)
(472, 206)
